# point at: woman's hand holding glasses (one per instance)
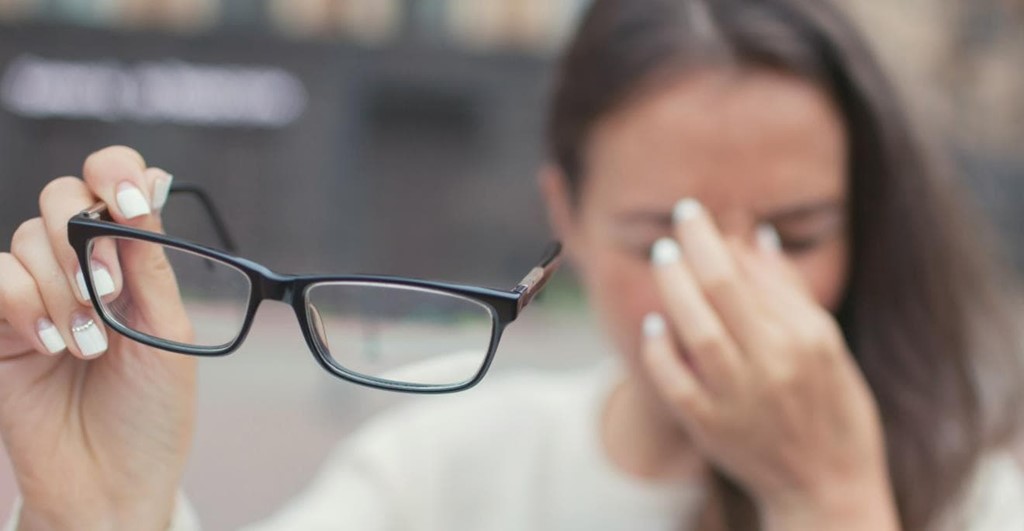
(97, 426)
(95, 409)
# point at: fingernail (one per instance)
(88, 336)
(654, 325)
(50, 337)
(131, 201)
(160, 191)
(101, 281)
(768, 238)
(685, 210)
(666, 251)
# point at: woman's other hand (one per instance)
(760, 377)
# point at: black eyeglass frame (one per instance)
(503, 306)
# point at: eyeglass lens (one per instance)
(387, 332)
(214, 296)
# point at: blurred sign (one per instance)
(168, 91)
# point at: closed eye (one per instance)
(798, 246)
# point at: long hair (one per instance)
(926, 311)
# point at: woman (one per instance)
(811, 336)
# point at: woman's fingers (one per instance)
(60, 200)
(718, 276)
(672, 378)
(25, 324)
(64, 198)
(811, 331)
(707, 344)
(118, 268)
(47, 302)
(69, 321)
(117, 175)
(12, 342)
(770, 268)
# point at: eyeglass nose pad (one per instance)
(318, 326)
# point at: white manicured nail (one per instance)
(88, 335)
(654, 325)
(160, 191)
(685, 210)
(101, 281)
(131, 201)
(50, 337)
(666, 251)
(768, 238)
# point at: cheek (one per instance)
(621, 291)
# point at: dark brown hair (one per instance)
(924, 312)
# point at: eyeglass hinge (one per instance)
(530, 285)
(96, 211)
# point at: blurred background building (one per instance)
(390, 136)
(330, 129)
(350, 119)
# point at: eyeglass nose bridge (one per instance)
(275, 287)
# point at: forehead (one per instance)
(732, 139)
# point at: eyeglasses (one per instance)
(395, 333)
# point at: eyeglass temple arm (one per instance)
(211, 211)
(100, 211)
(534, 281)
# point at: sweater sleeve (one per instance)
(183, 519)
(12, 524)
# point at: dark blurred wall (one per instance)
(410, 158)
(404, 160)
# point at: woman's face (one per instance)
(753, 148)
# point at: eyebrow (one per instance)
(801, 211)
